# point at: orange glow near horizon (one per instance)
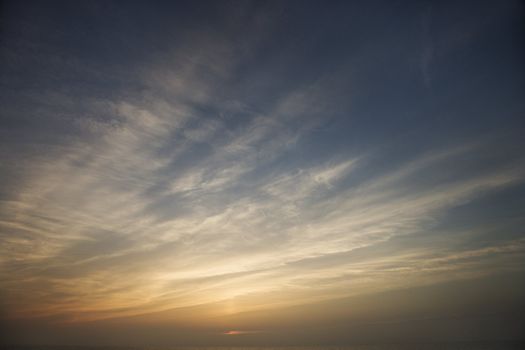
(240, 332)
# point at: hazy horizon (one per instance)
(261, 173)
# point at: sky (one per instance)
(261, 172)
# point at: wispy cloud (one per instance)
(183, 191)
(89, 235)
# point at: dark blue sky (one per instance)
(210, 166)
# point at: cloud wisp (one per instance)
(119, 225)
(195, 182)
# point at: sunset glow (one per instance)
(241, 332)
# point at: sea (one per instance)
(503, 345)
